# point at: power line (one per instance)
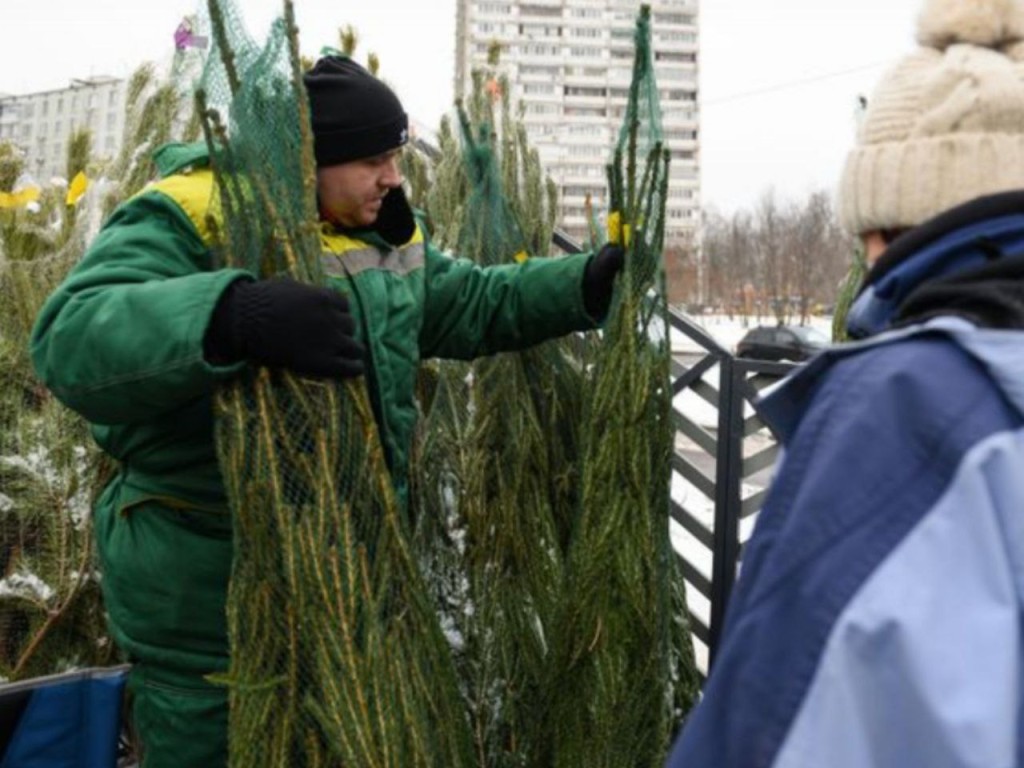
(795, 83)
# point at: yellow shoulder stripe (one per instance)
(194, 193)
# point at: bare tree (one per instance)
(782, 258)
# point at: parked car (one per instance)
(781, 342)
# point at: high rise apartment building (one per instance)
(569, 63)
(40, 124)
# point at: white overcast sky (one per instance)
(779, 78)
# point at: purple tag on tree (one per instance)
(184, 37)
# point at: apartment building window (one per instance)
(591, 32)
(682, 154)
(494, 9)
(57, 126)
(679, 95)
(675, 193)
(60, 105)
(542, 109)
(586, 130)
(538, 88)
(585, 112)
(588, 52)
(675, 74)
(586, 13)
(539, 49)
(586, 150)
(28, 109)
(539, 30)
(673, 18)
(622, 53)
(679, 58)
(680, 134)
(679, 115)
(488, 28)
(578, 90)
(681, 213)
(676, 37)
(620, 33)
(112, 98)
(544, 11)
(572, 169)
(45, 108)
(111, 120)
(578, 190)
(527, 70)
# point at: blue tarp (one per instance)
(64, 721)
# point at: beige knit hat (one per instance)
(946, 125)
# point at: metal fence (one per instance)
(721, 468)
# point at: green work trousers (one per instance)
(165, 573)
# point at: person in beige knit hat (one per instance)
(877, 620)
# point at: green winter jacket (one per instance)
(121, 340)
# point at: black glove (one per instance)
(285, 324)
(599, 279)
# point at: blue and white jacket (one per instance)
(877, 620)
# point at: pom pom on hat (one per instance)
(987, 23)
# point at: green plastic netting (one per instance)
(337, 657)
(543, 475)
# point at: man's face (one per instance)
(352, 193)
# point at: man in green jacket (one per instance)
(140, 333)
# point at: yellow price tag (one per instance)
(20, 198)
(618, 233)
(77, 188)
(615, 228)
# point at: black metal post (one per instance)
(728, 479)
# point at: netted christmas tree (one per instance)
(544, 474)
(617, 648)
(493, 459)
(337, 655)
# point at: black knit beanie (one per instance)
(354, 114)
